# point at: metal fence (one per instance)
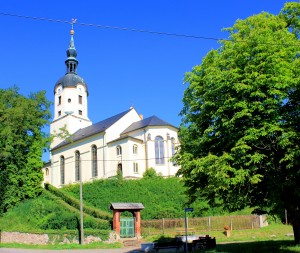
(202, 225)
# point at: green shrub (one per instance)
(76, 204)
(150, 173)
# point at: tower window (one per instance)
(59, 100)
(119, 150)
(80, 99)
(80, 112)
(135, 149)
(69, 100)
(59, 113)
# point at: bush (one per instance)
(76, 204)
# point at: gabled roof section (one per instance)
(93, 129)
(126, 206)
(151, 121)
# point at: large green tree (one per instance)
(240, 131)
(22, 142)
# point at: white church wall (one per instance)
(84, 147)
(113, 132)
(166, 169)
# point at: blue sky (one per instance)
(121, 68)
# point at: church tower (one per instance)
(70, 98)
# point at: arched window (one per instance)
(94, 161)
(119, 170)
(119, 150)
(159, 150)
(46, 172)
(62, 170)
(77, 166)
(173, 146)
(135, 149)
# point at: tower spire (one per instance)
(71, 61)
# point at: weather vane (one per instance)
(73, 22)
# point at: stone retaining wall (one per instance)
(16, 237)
(42, 239)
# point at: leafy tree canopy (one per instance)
(240, 127)
(22, 142)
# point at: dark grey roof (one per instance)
(126, 206)
(93, 129)
(70, 80)
(151, 121)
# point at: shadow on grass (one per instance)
(264, 246)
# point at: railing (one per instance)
(203, 224)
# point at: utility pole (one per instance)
(189, 209)
(81, 207)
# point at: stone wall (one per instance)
(42, 239)
(16, 237)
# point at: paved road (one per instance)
(123, 250)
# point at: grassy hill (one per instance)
(161, 197)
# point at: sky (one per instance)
(121, 68)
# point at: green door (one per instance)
(127, 227)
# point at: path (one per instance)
(122, 250)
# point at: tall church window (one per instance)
(62, 170)
(173, 146)
(119, 150)
(159, 150)
(94, 161)
(77, 166)
(80, 99)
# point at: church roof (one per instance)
(151, 121)
(70, 80)
(93, 129)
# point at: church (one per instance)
(125, 144)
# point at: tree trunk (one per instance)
(295, 221)
(296, 229)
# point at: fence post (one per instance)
(230, 222)
(209, 224)
(163, 225)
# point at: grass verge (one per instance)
(95, 245)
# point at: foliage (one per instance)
(150, 173)
(21, 145)
(161, 197)
(76, 204)
(48, 213)
(240, 128)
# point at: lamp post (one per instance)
(189, 209)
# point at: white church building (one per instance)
(125, 144)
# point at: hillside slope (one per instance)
(161, 197)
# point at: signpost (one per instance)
(188, 209)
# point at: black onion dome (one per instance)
(71, 52)
(70, 80)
